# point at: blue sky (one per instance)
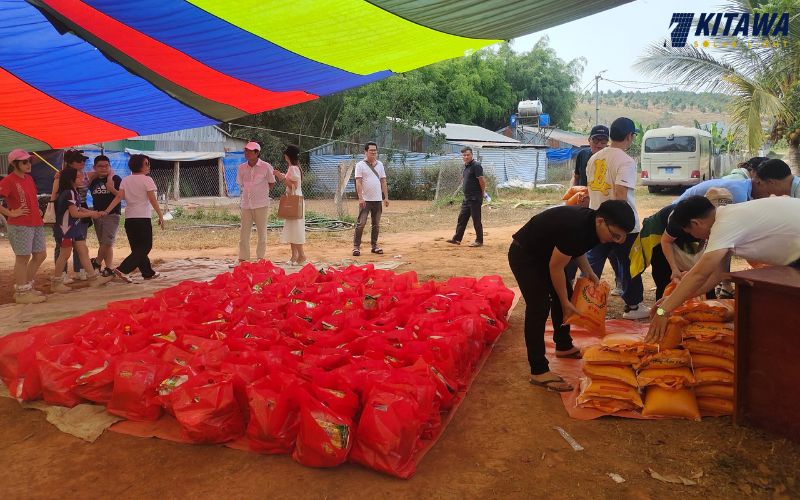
(612, 40)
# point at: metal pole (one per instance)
(597, 78)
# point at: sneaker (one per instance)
(122, 276)
(59, 286)
(34, 290)
(639, 311)
(66, 279)
(154, 276)
(98, 280)
(617, 291)
(28, 297)
(95, 264)
(82, 275)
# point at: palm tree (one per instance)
(762, 80)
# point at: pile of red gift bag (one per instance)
(353, 364)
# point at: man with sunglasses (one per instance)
(25, 226)
(538, 257)
(612, 176)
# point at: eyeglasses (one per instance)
(615, 237)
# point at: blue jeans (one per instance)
(632, 288)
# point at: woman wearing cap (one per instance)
(75, 160)
(294, 230)
(25, 226)
(255, 178)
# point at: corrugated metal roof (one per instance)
(472, 133)
(507, 145)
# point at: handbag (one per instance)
(290, 206)
(49, 216)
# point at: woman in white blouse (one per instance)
(294, 230)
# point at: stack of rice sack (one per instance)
(708, 336)
(610, 383)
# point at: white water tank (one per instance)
(529, 108)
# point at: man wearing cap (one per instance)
(255, 178)
(598, 139)
(25, 226)
(612, 176)
(765, 230)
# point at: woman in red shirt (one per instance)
(25, 226)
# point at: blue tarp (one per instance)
(560, 154)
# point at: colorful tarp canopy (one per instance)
(79, 72)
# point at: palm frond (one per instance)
(688, 65)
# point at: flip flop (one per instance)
(453, 242)
(553, 385)
(356, 252)
(574, 353)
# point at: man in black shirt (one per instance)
(598, 139)
(538, 257)
(474, 189)
(103, 188)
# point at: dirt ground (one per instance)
(500, 444)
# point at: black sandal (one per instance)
(377, 250)
(356, 252)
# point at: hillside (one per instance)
(672, 107)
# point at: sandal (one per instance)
(555, 385)
(574, 353)
(453, 241)
(475, 244)
(377, 250)
(356, 252)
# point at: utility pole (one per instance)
(597, 79)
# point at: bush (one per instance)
(400, 182)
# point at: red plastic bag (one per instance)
(58, 368)
(206, 409)
(95, 380)
(134, 396)
(18, 364)
(274, 414)
(324, 438)
(388, 432)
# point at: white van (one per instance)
(675, 156)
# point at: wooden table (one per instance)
(767, 378)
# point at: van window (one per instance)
(679, 144)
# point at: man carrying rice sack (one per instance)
(765, 230)
(541, 250)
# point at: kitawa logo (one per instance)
(727, 24)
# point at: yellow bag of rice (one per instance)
(708, 331)
(607, 395)
(719, 391)
(708, 361)
(669, 378)
(677, 403)
(712, 376)
(616, 373)
(717, 406)
(711, 348)
(667, 358)
(628, 342)
(597, 355)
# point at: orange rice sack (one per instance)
(578, 200)
(754, 264)
(720, 310)
(601, 391)
(670, 288)
(712, 376)
(666, 358)
(674, 334)
(596, 355)
(573, 190)
(711, 348)
(708, 331)
(676, 403)
(628, 342)
(592, 302)
(717, 406)
(719, 391)
(616, 373)
(669, 378)
(707, 361)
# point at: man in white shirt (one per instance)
(373, 193)
(612, 176)
(255, 178)
(766, 230)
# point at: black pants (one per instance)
(140, 238)
(470, 208)
(662, 273)
(374, 209)
(541, 300)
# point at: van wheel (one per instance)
(653, 189)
